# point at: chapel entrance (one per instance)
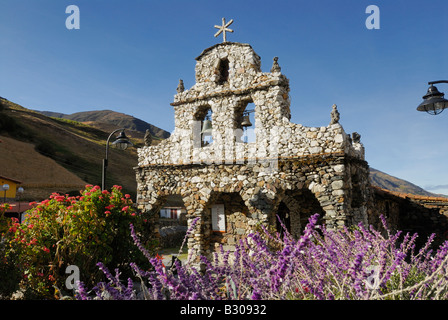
(283, 219)
(296, 207)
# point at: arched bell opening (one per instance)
(245, 122)
(203, 134)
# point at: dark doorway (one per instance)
(283, 216)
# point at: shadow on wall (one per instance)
(409, 215)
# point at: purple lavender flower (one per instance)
(321, 264)
(255, 296)
(138, 243)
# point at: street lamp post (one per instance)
(433, 101)
(19, 193)
(122, 142)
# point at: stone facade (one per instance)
(290, 170)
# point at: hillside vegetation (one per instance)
(109, 117)
(388, 182)
(77, 147)
(40, 175)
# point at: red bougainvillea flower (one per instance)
(160, 258)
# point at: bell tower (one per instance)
(228, 78)
(289, 171)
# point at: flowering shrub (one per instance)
(82, 230)
(9, 275)
(357, 263)
(4, 221)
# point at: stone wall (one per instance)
(290, 170)
(308, 185)
(411, 213)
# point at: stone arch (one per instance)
(299, 204)
(233, 209)
(157, 197)
(203, 112)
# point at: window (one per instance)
(218, 218)
(223, 71)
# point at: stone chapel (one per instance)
(288, 172)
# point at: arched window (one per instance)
(249, 123)
(223, 71)
(206, 129)
(202, 131)
(246, 122)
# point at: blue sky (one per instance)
(128, 56)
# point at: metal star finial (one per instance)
(223, 28)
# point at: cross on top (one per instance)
(223, 28)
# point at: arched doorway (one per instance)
(283, 219)
(296, 207)
(226, 216)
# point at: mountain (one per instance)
(385, 181)
(101, 117)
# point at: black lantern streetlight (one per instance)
(433, 101)
(122, 142)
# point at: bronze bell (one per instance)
(246, 122)
(206, 128)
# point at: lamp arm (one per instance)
(103, 178)
(108, 139)
(438, 81)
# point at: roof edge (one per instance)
(222, 44)
(10, 179)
